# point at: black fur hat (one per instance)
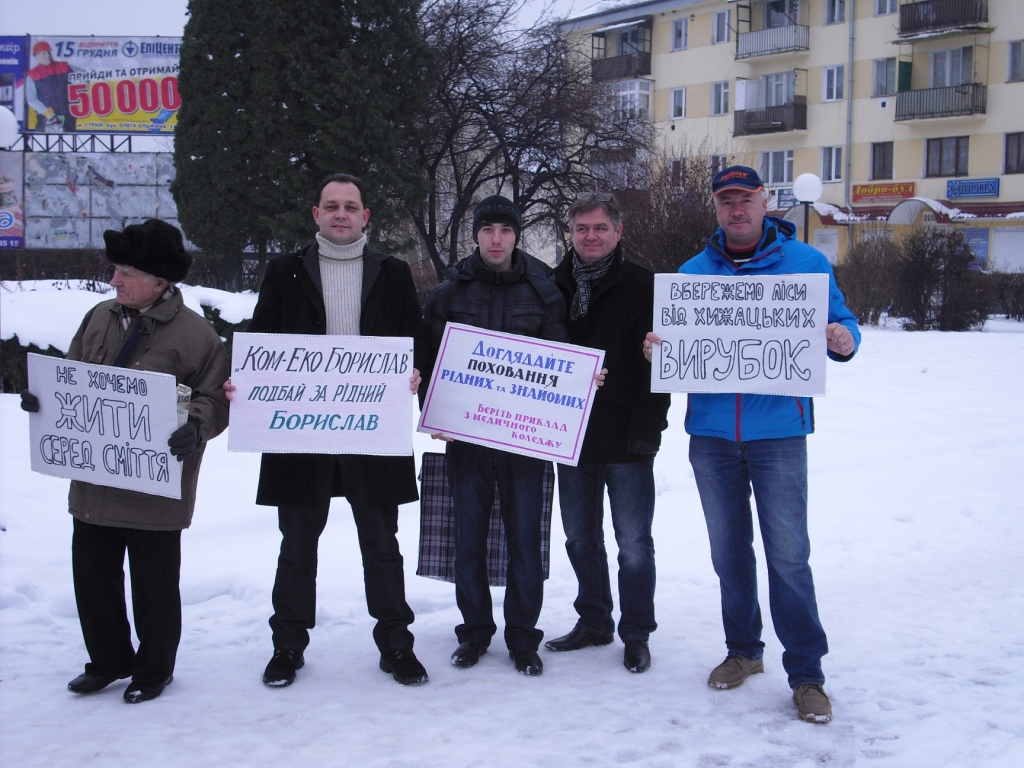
(154, 246)
(497, 210)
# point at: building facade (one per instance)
(908, 111)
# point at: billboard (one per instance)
(12, 76)
(102, 84)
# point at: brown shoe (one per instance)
(813, 703)
(733, 671)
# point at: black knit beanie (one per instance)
(497, 210)
(154, 246)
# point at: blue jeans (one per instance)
(472, 472)
(631, 493)
(726, 471)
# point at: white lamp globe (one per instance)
(807, 188)
(8, 128)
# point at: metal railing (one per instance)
(786, 117)
(932, 15)
(627, 65)
(765, 42)
(969, 99)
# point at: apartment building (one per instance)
(910, 112)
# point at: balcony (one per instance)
(617, 67)
(954, 101)
(767, 42)
(786, 117)
(939, 15)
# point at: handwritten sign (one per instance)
(513, 393)
(104, 425)
(762, 335)
(321, 394)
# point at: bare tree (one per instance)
(510, 109)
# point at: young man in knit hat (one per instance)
(147, 327)
(748, 443)
(501, 288)
(611, 302)
(338, 285)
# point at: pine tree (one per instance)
(276, 96)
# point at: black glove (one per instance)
(184, 440)
(29, 402)
(640, 447)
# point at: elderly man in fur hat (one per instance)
(147, 327)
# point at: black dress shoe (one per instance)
(280, 670)
(527, 661)
(580, 637)
(403, 666)
(137, 693)
(86, 683)
(637, 657)
(467, 655)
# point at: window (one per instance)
(629, 41)
(718, 164)
(1015, 68)
(831, 163)
(881, 160)
(777, 167)
(1014, 153)
(678, 103)
(720, 28)
(946, 156)
(884, 82)
(777, 14)
(632, 98)
(953, 67)
(679, 32)
(678, 173)
(832, 84)
(835, 11)
(777, 89)
(885, 7)
(720, 98)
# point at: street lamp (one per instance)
(807, 189)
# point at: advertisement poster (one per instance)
(514, 393)
(104, 425)
(12, 76)
(12, 213)
(763, 335)
(321, 394)
(102, 84)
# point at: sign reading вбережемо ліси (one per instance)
(513, 393)
(104, 425)
(762, 334)
(300, 393)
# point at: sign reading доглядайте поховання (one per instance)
(740, 334)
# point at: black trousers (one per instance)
(294, 595)
(154, 560)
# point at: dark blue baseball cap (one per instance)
(736, 177)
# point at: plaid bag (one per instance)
(437, 526)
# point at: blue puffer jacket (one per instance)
(762, 417)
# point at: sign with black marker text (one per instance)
(763, 334)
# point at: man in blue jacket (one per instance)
(744, 442)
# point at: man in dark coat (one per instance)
(501, 288)
(611, 302)
(339, 286)
(146, 327)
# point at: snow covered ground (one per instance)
(917, 525)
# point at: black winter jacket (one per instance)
(621, 312)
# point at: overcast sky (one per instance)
(144, 18)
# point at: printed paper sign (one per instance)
(513, 393)
(321, 394)
(763, 335)
(104, 425)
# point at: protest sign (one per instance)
(763, 335)
(514, 393)
(321, 394)
(104, 425)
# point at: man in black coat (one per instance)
(501, 288)
(611, 302)
(338, 286)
